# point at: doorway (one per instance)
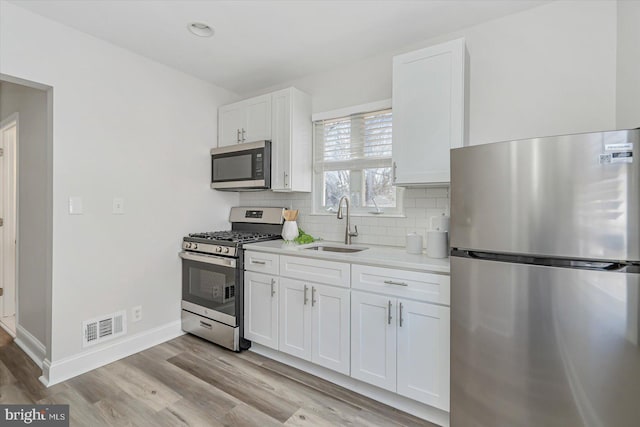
(8, 222)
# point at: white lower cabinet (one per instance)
(391, 329)
(261, 308)
(402, 346)
(314, 323)
(295, 318)
(423, 352)
(373, 339)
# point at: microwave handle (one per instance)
(209, 259)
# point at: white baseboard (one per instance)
(54, 372)
(30, 345)
(394, 400)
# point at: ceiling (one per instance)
(261, 43)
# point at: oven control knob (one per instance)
(226, 250)
(195, 246)
(218, 249)
(187, 245)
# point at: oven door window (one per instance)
(210, 286)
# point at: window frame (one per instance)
(318, 190)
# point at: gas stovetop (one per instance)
(248, 225)
(232, 237)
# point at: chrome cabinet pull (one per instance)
(389, 313)
(400, 319)
(238, 136)
(395, 167)
(258, 262)
(313, 296)
(305, 294)
(244, 138)
(273, 289)
(391, 282)
(286, 180)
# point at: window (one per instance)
(352, 157)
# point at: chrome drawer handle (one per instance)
(400, 319)
(273, 289)
(389, 313)
(206, 325)
(258, 262)
(391, 282)
(306, 288)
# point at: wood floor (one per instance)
(190, 382)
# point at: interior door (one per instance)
(423, 352)
(331, 331)
(8, 199)
(373, 339)
(295, 318)
(534, 345)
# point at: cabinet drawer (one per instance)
(261, 262)
(315, 270)
(401, 283)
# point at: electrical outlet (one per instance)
(136, 313)
(118, 206)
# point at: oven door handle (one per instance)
(209, 259)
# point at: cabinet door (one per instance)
(257, 124)
(261, 309)
(423, 353)
(230, 123)
(373, 339)
(428, 112)
(295, 318)
(281, 141)
(331, 330)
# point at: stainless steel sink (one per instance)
(342, 249)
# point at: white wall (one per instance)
(628, 87)
(545, 71)
(123, 126)
(31, 105)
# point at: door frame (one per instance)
(12, 120)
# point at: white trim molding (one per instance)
(355, 109)
(57, 371)
(30, 345)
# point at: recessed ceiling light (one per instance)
(200, 29)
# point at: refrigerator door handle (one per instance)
(623, 267)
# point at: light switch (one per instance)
(75, 205)
(118, 206)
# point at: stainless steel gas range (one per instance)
(212, 275)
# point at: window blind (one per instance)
(354, 142)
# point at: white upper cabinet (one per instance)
(291, 141)
(428, 112)
(245, 121)
(284, 118)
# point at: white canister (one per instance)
(437, 244)
(414, 243)
(289, 230)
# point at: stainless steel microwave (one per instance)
(241, 167)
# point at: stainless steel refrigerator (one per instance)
(545, 274)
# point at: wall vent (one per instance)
(103, 328)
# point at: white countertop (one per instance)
(379, 256)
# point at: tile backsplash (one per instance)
(420, 205)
